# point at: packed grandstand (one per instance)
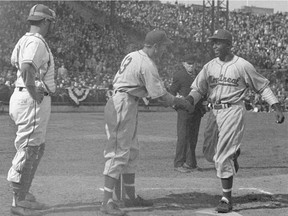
(88, 50)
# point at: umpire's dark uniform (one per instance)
(187, 124)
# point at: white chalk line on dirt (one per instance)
(257, 189)
(160, 188)
(178, 188)
(213, 212)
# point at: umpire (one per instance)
(187, 123)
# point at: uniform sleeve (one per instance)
(34, 53)
(200, 84)
(153, 83)
(253, 79)
(14, 56)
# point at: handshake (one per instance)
(185, 103)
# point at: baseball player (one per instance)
(226, 79)
(30, 106)
(136, 78)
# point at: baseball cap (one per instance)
(222, 34)
(189, 59)
(39, 12)
(157, 37)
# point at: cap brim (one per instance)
(217, 38)
(214, 37)
(167, 42)
(35, 18)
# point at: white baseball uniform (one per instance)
(137, 78)
(226, 84)
(30, 118)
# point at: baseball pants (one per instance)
(187, 137)
(223, 136)
(122, 149)
(31, 120)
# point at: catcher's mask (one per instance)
(39, 12)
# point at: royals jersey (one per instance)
(33, 49)
(138, 76)
(228, 82)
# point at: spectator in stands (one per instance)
(62, 72)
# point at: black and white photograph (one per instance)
(144, 108)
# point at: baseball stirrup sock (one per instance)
(129, 185)
(108, 190)
(225, 199)
(227, 190)
(130, 190)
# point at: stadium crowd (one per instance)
(87, 55)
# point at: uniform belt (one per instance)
(220, 106)
(120, 90)
(21, 89)
(125, 91)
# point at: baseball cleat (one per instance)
(196, 168)
(30, 197)
(111, 208)
(18, 210)
(182, 169)
(224, 206)
(31, 205)
(137, 202)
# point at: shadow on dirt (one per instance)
(186, 201)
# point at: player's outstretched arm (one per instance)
(170, 100)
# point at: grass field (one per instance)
(70, 174)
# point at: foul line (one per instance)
(257, 189)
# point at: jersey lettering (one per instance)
(125, 63)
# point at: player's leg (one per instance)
(119, 189)
(193, 125)
(35, 164)
(225, 204)
(231, 130)
(210, 137)
(120, 117)
(23, 111)
(43, 112)
(131, 199)
(109, 184)
(182, 145)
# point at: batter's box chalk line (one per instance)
(209, 212)
(257, 189)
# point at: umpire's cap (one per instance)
(222, 34)
(39, 12)
(157, 37)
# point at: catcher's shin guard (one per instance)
(24, 169)
(129, 185)
(36, 162)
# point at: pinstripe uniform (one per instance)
(137, 78)
(226, 84)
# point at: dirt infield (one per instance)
(70, 174)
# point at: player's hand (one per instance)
(181, 103)
(39, 94)
(279, 117)
(278, 113)
(39, 97)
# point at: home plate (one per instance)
(207, 212)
